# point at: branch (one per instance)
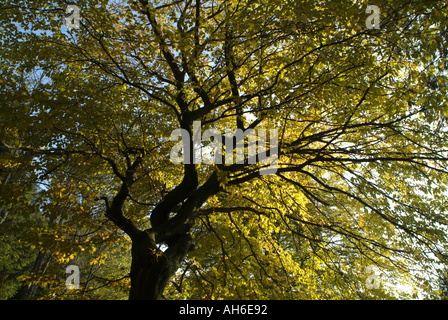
(227, 210)
(182, 222)
(63, 152)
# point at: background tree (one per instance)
(361, 116)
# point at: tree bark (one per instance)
(151, 268)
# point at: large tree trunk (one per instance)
(152, 268)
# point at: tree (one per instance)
(17, 258)
(361, 121)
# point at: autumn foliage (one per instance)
(86, 177)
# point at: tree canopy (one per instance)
(358, 194)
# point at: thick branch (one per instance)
(184, 219)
